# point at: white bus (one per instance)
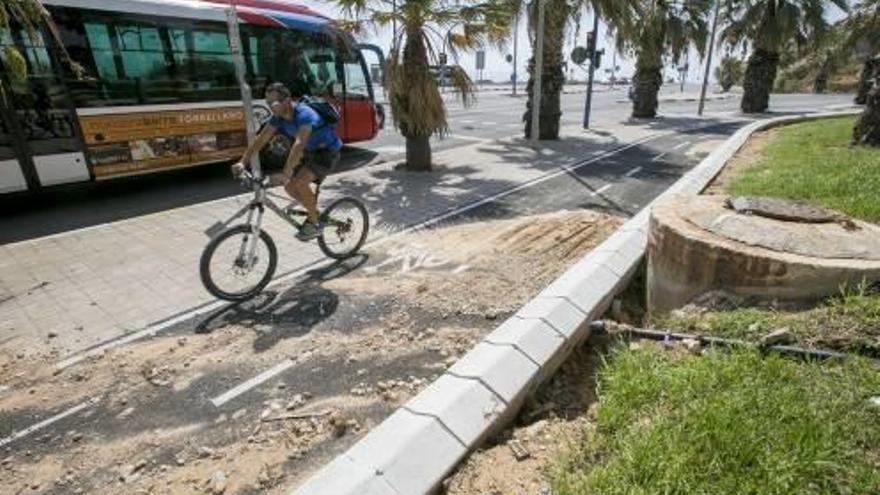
(160, 88)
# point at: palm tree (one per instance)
(618, 14)
(729, 72)
(29, 15)
(667, 27)
(863, 26)
(427, 28)
(769, 25)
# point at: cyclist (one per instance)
(315, 151)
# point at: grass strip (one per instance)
(727, 423)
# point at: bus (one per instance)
(160, 90)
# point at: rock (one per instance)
(51, 335)
(361, 372)
(874, 401)
(206, 452)
(75, 436)
(138, 466)
(692, 345)
(296, 401)
(754, 327)
(180, 459)
(217, 483)
(779, 336)
(535, 430)
(126, 413)
(239, 414)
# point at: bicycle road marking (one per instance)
(46, 422)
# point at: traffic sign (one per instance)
(509, 58)
(580, 55)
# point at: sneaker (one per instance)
(308, 231)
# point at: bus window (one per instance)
(102, 51)
(142, 53)
(356, 84)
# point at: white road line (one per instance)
(681, 145)
(465, 121)
(253, 382)
(601, 190)
(46, 422)
(633, 172)
(659, 157)
(489, 122)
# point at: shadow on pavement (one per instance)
(63, 208)
(276, 316)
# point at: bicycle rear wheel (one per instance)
(225, 269)
(346, 225)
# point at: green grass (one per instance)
(727, 423)
(814, 162)
(848, 322)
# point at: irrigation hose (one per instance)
(601, 327)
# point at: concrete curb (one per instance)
(414, 449)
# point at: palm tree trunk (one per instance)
(647, 80)
(759, 79)
(418, 153)
(552, 76)
(864, 83)
(867, 129)
(418, 142)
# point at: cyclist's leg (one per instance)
(300, 189)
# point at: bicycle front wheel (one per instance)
(236, 265)
(346, 225)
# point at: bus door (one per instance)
(43, 124)
(362, 122)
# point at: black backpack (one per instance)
(328, 113)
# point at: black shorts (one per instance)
(321, 162)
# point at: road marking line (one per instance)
(253, 382)
(46, 422)
(633, 172)
(682, 145)
(659, 157)
(489, 122)
(601, 190)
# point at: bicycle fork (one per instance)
(248, 250)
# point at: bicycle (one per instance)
(246, 249)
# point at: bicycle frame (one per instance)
(256, 207)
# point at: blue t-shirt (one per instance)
(323, 136)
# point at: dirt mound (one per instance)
(486, 268)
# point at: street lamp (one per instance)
(538, 74)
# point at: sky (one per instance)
(497, 68)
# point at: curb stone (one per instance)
(416, 448)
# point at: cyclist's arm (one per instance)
(296, 152)
(259, 143)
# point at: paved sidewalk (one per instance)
(72, 291)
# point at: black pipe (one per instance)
(786, 350)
